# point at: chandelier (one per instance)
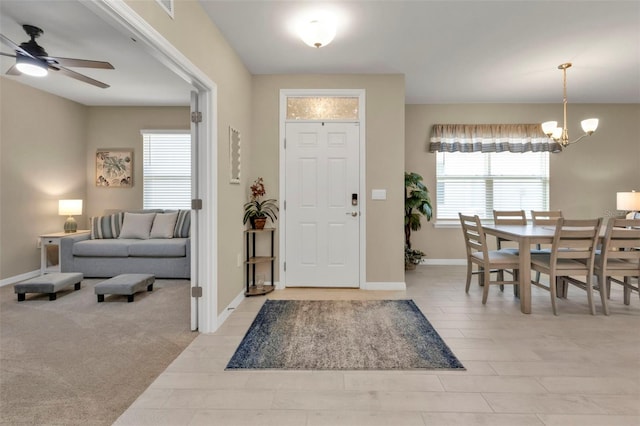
(560, 134)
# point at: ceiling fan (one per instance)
(32, 59)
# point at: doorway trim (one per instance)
(123, 17)
(360, 94)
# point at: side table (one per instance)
(252, 260)
(50, 250)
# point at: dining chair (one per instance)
(508, 217)
(619, 258)
(544, 217)
(572, 254)
(488, 261)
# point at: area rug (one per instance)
(342, 335)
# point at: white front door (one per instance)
(322, 205)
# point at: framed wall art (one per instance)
(114, 168)
(234, 155)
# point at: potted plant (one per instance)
(257, 210)
(417, 203)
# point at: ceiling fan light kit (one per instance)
(31, 66)
(33, 60)
(560, 134)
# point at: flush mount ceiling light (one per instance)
(318, 33)
(560, 134)
(31, 66)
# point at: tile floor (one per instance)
(573, 369)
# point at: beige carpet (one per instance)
(73, 361)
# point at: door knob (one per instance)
(354, 214)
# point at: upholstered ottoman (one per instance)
(48, 283)
(125, 284)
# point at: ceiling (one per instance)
(449, 51)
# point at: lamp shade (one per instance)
(628, 201)
(70, 207)
(589, 125)
(31, 66)
(548, 127)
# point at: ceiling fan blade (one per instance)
(15, 47)
(7, 54)
(13, 70)
(82, 63)
(82, 77)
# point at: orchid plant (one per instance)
(257, 207)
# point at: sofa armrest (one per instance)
(66, 250)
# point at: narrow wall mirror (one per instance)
(234, 155)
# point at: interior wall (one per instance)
(42, 152)
(384, 156)
(119, 127)
(583, 179)
(194, 35)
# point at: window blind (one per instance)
(478, 183)
(166, 169)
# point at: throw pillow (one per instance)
(183, 224)
(104, 227)
(137, 225)
(163, 225)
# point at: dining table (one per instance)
(525, 236)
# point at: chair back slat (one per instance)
(546, 217)
(509, 217)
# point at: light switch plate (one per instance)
(378, 194)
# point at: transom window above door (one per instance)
(322, 108)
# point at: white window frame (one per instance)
(488, 178)
(182, 170)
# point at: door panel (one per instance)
(322, 226)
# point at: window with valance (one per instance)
(514, 138)
(486, 167)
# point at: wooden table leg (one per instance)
(525, 275)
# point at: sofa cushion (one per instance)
(137, 225)
(106, 226)
(163, 225)
(183, 224)
(102, 248)
(175, 247)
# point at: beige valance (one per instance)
(490, 138)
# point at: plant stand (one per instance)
(251, 260)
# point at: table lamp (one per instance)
(628, 202)
(70, 208)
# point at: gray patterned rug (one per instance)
(342, 335)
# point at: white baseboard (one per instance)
(230, 307)
(385, 285)
(444, 262)
(18, 278)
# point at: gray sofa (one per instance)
(108, 255)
